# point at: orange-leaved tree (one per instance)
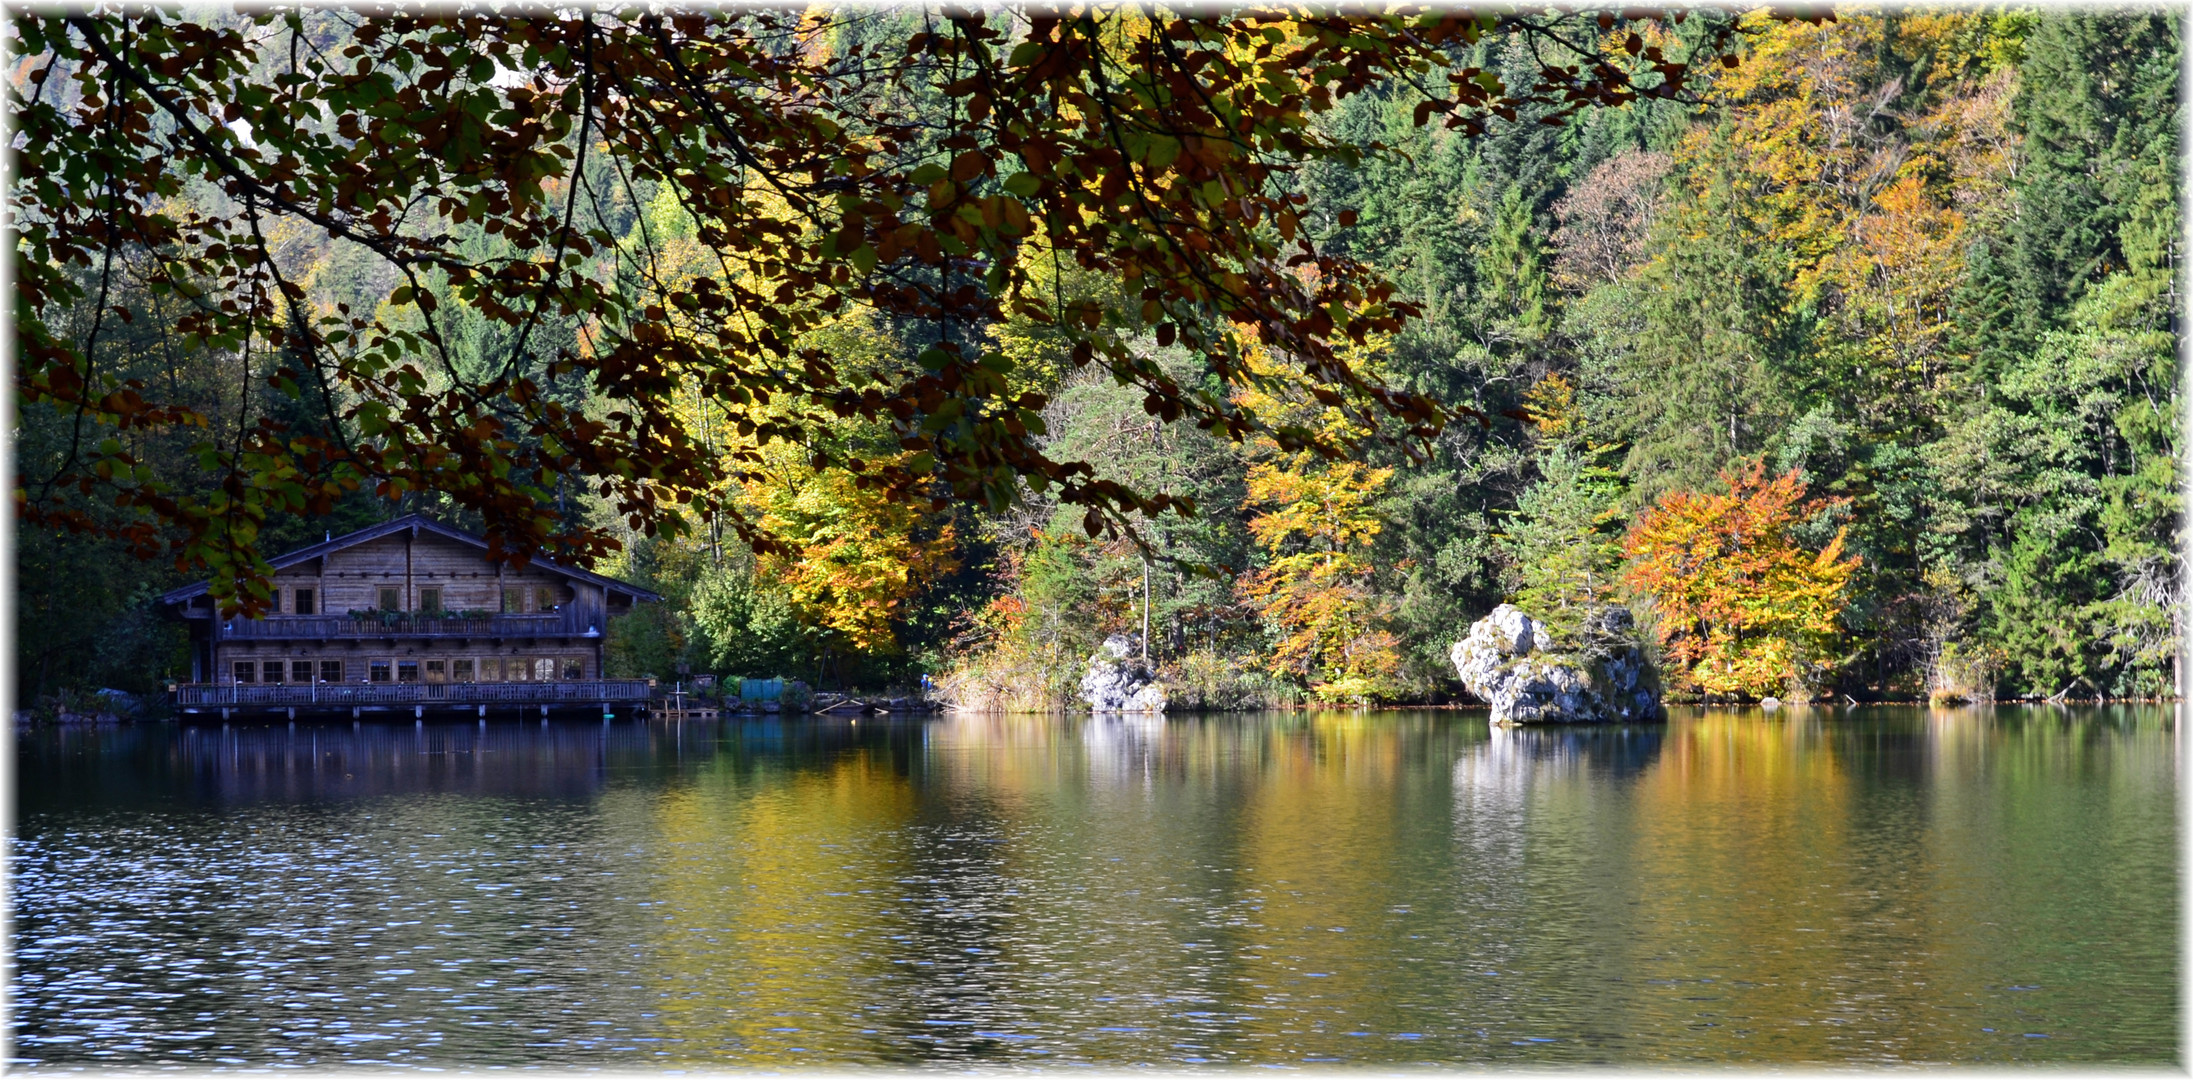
(1744, 608)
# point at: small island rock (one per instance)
(1118, 682)
(1512, 662)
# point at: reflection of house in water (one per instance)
(408, 616)
(317, 763)
(558, 760)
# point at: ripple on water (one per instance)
(1396, 888)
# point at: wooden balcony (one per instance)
(329, 697)
(397, 625)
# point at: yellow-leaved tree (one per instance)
(853, 555)
(1315, 519)
(1872, 226)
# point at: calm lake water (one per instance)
(1835, 886)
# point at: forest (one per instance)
(1851, 369)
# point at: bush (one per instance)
(1204, 681)
(1962, 674)
(1008, 681)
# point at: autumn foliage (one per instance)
(475, 159)
(855, 555)
(1315, 521)
(1316, 593)
(1743, 607)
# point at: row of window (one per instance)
(462, 669)
(306, 601)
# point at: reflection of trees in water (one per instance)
(268, 890)
(968, 889)
(772, 913)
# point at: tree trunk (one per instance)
(1145, 609)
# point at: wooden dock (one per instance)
(295, 700)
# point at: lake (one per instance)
(1838, 886)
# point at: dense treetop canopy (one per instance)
(587, 218)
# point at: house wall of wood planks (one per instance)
(408, 579)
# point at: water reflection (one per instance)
(1798, 886)
(1495, 781)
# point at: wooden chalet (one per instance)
(409, 616)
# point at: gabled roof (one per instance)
(415, 524)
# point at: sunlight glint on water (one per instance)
(1386, 888)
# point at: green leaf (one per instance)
(1163, 151)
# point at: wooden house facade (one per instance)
(408, 615)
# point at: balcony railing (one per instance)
(397, 625)
(341, 695)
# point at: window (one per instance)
(460, 670)
(378, 669)
(544, 598)
(273, 671)
(407, 671)
(331, 671)
(430, 601)
(247, 671)
(574, 668)
(392, 598)
(274, 601)
(308, 601)
(300, 671)
(544, 669)
(437, 671)
(491, 669)
(516, 669)
(513, 601)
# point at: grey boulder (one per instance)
(1512, 663)
(1118, 682)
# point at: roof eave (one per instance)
(414, 522)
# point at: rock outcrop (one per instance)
(1118, 682)
(1511, 661)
